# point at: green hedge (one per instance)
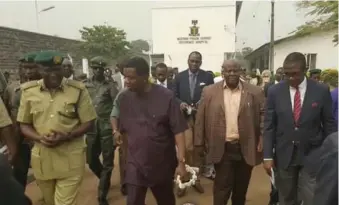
(330, 77)
(217, 74)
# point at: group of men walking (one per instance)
(161, 126)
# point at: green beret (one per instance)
(98, 62)
(49, 58)
(315, 71)
(28, 57)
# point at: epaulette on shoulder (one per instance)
(76, 84)
(29, 84)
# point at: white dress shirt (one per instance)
(164, 84)
(302, 89)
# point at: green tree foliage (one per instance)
(139, 45)
(325, 15)
(330, 77)
(217, 74)
(246, 50)
(103, 40)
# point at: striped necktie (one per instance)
(297, 107)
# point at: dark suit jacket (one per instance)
(182, 87)
(210, 124)
(171, 85)
(326, 190)
(267, 86)
(316, 121)
(11, 192)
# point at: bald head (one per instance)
(231, 71)
(231, 63)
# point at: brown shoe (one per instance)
(198, 188)
(181, 192)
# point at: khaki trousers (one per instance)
(189, 133)
(60, 191)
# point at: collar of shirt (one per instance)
(162, 83)
(190, 73)
(239, 87)
(71, 77)
(302, 85)
(276, 82)
(44, 88)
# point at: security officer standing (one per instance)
(55, 113)
(100, 140)
(29, 72)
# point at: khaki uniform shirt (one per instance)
(5, 120)
(63, 110)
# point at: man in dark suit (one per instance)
(161, 74)
(188, 88)
(326, 190)
(274, 196)
(298, 115)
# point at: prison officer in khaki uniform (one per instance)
(6, 132)
(56, 112)
(28, 71)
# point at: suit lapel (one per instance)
(187, 82)
(307, 100)
(286, 100)
(243, 97)
(197, 84)
(220, 95)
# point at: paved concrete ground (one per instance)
(258, 193)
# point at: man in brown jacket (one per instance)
(228, 130)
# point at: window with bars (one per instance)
(311, 60)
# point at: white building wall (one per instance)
(319, 43)
(216, 24)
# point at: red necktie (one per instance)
(297, 107)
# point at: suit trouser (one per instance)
(189, 133)
(191, 156)
(123, 159)
(60, 191)
(21, 163)
(163, 194)
(100, 141)
(295, 184)
(232, 176)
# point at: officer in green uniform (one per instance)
(55, 113)
(100, 140)
(28, 72)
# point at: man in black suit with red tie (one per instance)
(298, 117)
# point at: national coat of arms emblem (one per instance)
(194, 29)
